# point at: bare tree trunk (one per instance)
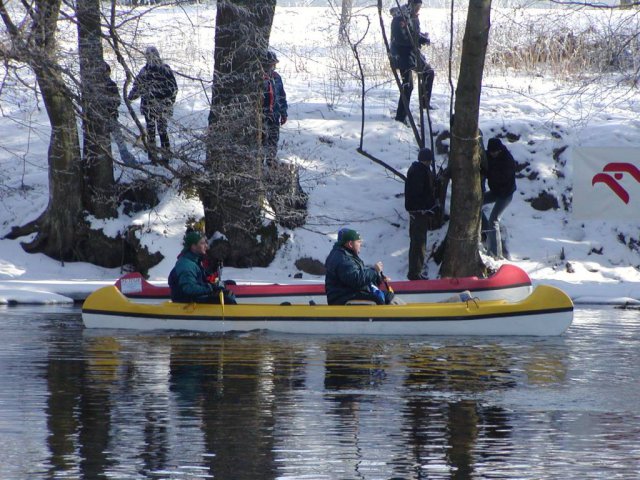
(345, 19)
(57, 226)
(98, 163)
(461, 257)
(232, 196)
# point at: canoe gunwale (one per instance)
(368, 318)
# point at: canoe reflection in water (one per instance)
(262, 406)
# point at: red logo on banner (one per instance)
(612, 181)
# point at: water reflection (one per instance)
(166, 405)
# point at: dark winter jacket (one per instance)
(419, 192)
(501, 170)
(188, 280)
(274, 105)
(112, 98)
(347, 277)
(405, 38)
(156, 84)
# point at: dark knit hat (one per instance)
(191, 238)
(272, 58)
(347, 235)
(425, 155)
(494, 145)
(413, 2)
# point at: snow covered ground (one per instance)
(593, 261)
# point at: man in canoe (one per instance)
(347, 278)
(189, 280)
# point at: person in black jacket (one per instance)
(157, 87)
(111, 104)
(347, 278)
(406, 40)
(501, 179)
(420, 202)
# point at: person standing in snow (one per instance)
(501, 179)
(111, 104)
(274, 108)
(406, 40)
(420, 202)
(347, 278)
(156, 85)
(189, 280)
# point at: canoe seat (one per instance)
(361, 302)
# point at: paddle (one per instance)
(386, 283)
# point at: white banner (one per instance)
(606, 183)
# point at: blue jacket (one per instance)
(188, 280)
(347, 276)
(274, 104)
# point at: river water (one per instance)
(97, 404)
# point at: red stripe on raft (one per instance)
(506, 276)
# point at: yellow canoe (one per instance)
(547, 311)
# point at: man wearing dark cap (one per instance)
(189, 280)
(406, 40)
(501, 177)
(347, 278)
(420, 202)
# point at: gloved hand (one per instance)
(283, 119)
(424, 39)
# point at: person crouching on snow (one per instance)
(347, 278)
(189, 280)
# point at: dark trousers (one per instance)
(418, 228)
(492, 225)
(270, 138)
(161, 123)
(428, 75)
(229, 298)
(388, 296)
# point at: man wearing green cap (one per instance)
(347, 278)
(188, 280)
